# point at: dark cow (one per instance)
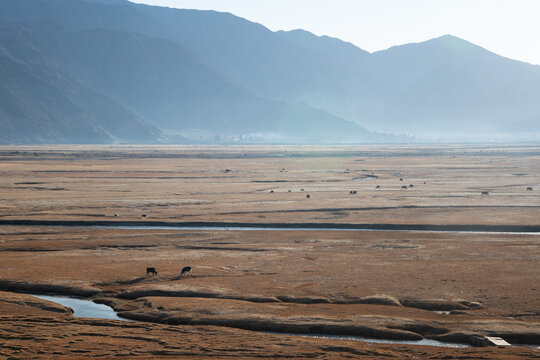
(400, 179)
(378, 187)
(404, 186)
(185, 270)
(529, 189)
(411, 185)
(144, 216)
(485, 193)
(307, 196)
(353, 192)
(151, 270)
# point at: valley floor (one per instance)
(449, 286)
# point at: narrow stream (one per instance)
(271, 228)
(241, 226)
(428, 342)
(89, 309)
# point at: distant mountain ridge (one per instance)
(114, 71)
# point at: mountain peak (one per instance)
(454, 43)
(450, 37)
(445, 45)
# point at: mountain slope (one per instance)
(158, 79)
(269, 65)
(444, 86)
(170, 88)
(451, 86)
(38, 104)
(287, 66)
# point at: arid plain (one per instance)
(416, 274)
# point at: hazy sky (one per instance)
(508, 27)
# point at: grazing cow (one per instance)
(425, 182)
(151, 270)
(115, 215)
(302, 190)
(400, 179)
(185, 270)
(404, 186)
(485, 193)
(289, 190)
(529, 189)
(307, 196)
(353, 192)
(144, 216)
(271, 191)
(378, 187)
(411, 185)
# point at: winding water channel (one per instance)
(89, 309)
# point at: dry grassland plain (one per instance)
(387, 283)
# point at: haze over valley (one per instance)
(117, 72)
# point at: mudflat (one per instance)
(451, 286)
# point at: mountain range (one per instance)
(98, 71)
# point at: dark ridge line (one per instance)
(284, 226)
(281, 181)
(378, 208)
(194, 247)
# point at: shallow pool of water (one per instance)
(84, 308)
